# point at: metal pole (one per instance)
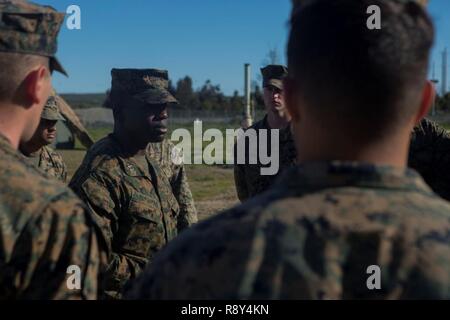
(248, 121)
(444, 72)
(435, 82)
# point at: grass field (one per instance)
(212, 186)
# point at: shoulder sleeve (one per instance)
(62, 166)
(103, 200)
(58, 255)
(183, 194)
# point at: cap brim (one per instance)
(56, 66)
(274, 83)
(156, 96)
(53, 118)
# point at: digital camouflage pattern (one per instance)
(164, 153)
(313, 236)
(30, 29)
(133, 204)
(44, 229)
(429, 154)
(148, 85)
(51, 110)
(50, 162)
(247, 177)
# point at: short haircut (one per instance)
(369, 80)
(14, 67)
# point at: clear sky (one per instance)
(206, 39)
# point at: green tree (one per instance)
(236, 102)
(443, 102)
(185, 93)
(211, 97)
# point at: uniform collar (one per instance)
(5, 144)
(322, 175)
(285, 133)
(128, 164)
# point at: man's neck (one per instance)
(11, 124)
(279, 120)
(392, 151)
(131, 147)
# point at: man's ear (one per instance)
(37, 86)
(428, 96)
(290, 98)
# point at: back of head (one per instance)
(14, 67)
(366, 80)
(28, 34)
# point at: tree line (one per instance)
(210, 97)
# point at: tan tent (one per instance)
(73, 123)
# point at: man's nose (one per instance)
(163, 115)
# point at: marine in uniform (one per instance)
(248, 177)
(37, 150)
(45, 230)
(125, 189)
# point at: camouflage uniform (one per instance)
(46, 159)
(247, 177)
(429, 154)
(132, 201)
(49, 162)
(163, 153)
(313, 236)
(44, 227)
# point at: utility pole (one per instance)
(248, 121)
(434, 81)
(444, 72)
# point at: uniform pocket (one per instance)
(142, 227)
(145, 207)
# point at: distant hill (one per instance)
(84, 100)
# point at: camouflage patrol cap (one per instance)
(148, 85)
(30, 29)
(51, 110)
(273, 75)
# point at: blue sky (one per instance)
(206, 39)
